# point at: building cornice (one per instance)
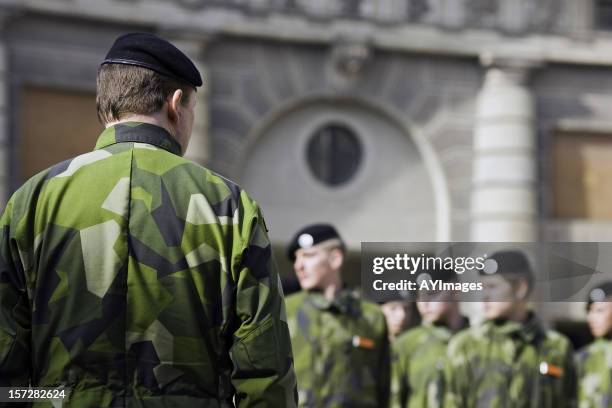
(420, 38)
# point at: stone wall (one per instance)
(252, 82)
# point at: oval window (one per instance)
(334, 154)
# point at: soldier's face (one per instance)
(599, 318)
(397, 316)
(498, 297)
(315, 267)
(434, 309)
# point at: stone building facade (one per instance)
(398, 120)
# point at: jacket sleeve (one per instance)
(384, 385)
(570, 379)
(263, 373)
(399, 377)
(456, 376)
(15, 314)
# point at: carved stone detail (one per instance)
(515, 16)
(346, 63)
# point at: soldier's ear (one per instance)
(174, 102)
(522, 289)
(336, 258)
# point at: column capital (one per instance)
(509, 69)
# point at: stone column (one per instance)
(504, 199)
(194, 46)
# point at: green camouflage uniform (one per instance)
(419, 358)
(501, 365)
(341, 350)
(135, 277)
(594, 367)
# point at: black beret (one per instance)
(386, 296)
(599, 293)
(436, 272)
(508, 263)
(149, 51)
(310, 236)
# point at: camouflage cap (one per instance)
(310, 236)
(600, 293)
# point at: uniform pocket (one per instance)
(258, 348)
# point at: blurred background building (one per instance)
(396, 120)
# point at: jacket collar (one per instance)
(529, 331)
(141, 133)
(443, 331)
(344, 302)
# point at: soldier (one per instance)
(594, 362)
(419, 355)
(511, 360)
(399, 315)
(134, 277)
(340, 341)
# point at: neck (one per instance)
(454, 320)
(153, 119)
(520, 314)
(332, 288)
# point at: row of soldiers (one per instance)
(346, 357)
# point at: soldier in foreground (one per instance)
(339, 341)
(594, 362)
(419, 355)
(134, 277)
(511, 360)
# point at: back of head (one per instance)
(139, 72)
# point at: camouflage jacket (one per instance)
(133, 276)
(510, 365)
(594, 368)
(419, 359)
(341, 350)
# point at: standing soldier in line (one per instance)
(511, 361)
(400, 314)
(419, 355)
(134, 277)
(594, 362)
(340, 341)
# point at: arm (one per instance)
(456, 376)
(399, 377)
(580, 361)
(263, 373)
(384, 381)
(570, 380)
(14, 311)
